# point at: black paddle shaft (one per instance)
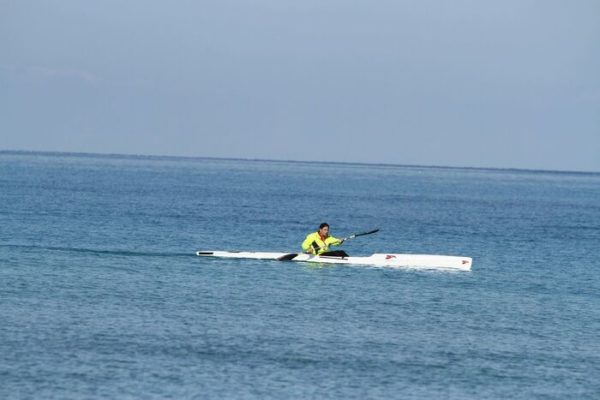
(361, 234)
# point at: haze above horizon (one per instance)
(469, 84)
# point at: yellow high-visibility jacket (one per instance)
(313, 241)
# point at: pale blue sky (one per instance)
(509, 84)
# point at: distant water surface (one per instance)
(102, 297)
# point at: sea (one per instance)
(102, 296)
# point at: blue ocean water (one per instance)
(101, 295)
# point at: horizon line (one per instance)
(175, 157)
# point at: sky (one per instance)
(466, 83)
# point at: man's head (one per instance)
(324, 229)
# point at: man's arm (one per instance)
(306, 245)
(332, 241)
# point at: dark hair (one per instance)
(323, 225)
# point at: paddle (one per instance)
(360, 234)
(287, 257)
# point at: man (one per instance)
(319, 242)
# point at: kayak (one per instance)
(422, 261)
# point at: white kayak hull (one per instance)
(424, 261)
